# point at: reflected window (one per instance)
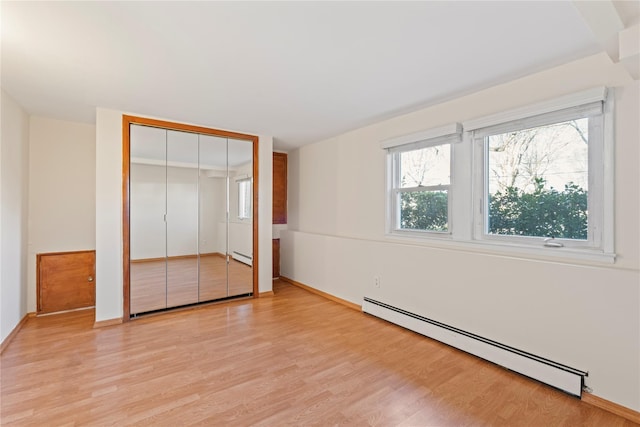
(244, 198)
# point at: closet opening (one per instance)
(190, 209)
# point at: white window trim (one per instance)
(567, 101)
(463, 189)
(598, 238)
(448, 134)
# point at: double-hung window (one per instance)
(534, 180)
(540, 178)
(420, 181)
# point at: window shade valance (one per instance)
(448, 134)
(591, 99)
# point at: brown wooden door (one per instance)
(66, 281)
(279, 188)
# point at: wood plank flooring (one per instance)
(158, 284)
(294, 359)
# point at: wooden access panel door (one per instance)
(276, 258)
(66, 281)
(279, 188)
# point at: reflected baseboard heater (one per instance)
(245, 259)
(555, 374)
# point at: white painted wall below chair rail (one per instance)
(14, 178)
(581, 314)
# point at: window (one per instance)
(421, 180)
(422, 190)
(536, 180)
(542, 178)
(244, 198)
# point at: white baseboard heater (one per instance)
(555, 374)
(245, 259)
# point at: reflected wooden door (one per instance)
(65, 281)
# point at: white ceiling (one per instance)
(299, 71)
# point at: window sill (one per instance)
(447, 241)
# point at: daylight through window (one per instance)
(536, 180)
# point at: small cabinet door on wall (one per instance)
(279, 188)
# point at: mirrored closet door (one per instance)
(190, 218)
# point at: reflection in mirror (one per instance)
(182, 218)
(147, 207)
(190, 218)
(213, 217)
(240, 225)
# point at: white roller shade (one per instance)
(448, 134)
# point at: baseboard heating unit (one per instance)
(245, 259)
(555, 374)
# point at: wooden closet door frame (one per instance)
(127, 121)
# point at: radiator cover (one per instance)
(565, 378)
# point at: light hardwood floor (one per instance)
(294, 359)
(156, 285)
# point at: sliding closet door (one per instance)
(213, 218)
(240, 225)
(182, 218)
(148, 199)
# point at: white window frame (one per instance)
(467, 187)
(600, 147)
(445, 135)
(241, 200)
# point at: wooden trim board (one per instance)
(612, 407)
(14, 332)
(108, 322)
(266, 294)
(126, 217)
(322, 294)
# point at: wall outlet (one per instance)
(376, 281)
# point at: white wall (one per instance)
(109, 213)
(61, 190)
(14, 174)
(582, 315)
